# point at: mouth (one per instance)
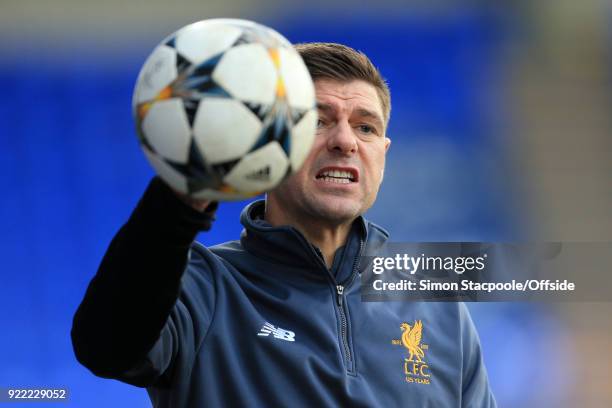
(338, 175)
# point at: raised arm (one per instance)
(138, 282)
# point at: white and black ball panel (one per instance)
(166, 130)
(259, 170)
(158, 71)
(247, 73)
(202, 40)
(198, 173)
(298, 84)
(225, 129)
(302, 136)
(167, 172)
(257, 33)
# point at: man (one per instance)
(276, 318)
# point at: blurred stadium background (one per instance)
(501, 129)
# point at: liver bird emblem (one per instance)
(411, 339)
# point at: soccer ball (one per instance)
(225, 109)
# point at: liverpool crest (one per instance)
(416, 368)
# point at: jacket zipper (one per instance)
(343, 328)
(340, 292)
(343, 319)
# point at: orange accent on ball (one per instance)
(226, 188)
(280, 84)
(143, 108)
(165, 93)
(275, 56)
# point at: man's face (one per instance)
(339, 179)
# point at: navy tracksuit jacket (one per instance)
(262, 322)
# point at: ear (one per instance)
(387, 144)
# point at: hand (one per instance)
(200, 205)
(197, 204)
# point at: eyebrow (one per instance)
(362, 112)
(325, 107)
(365, 113)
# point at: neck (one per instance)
(326, 236)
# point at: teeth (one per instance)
(336, 180)
(337, 174)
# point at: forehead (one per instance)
(348, 96)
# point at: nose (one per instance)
(342, 139)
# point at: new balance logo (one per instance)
(262, 174)
(277, 332)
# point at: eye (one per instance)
(320, 124)
(367, 129)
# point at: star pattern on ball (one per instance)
(278, 120)
(183, 134)
(195, 81)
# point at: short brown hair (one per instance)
(342, 63)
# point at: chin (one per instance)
(336, 210)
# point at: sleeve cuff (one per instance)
(161, 211)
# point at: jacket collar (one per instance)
(288, 246)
